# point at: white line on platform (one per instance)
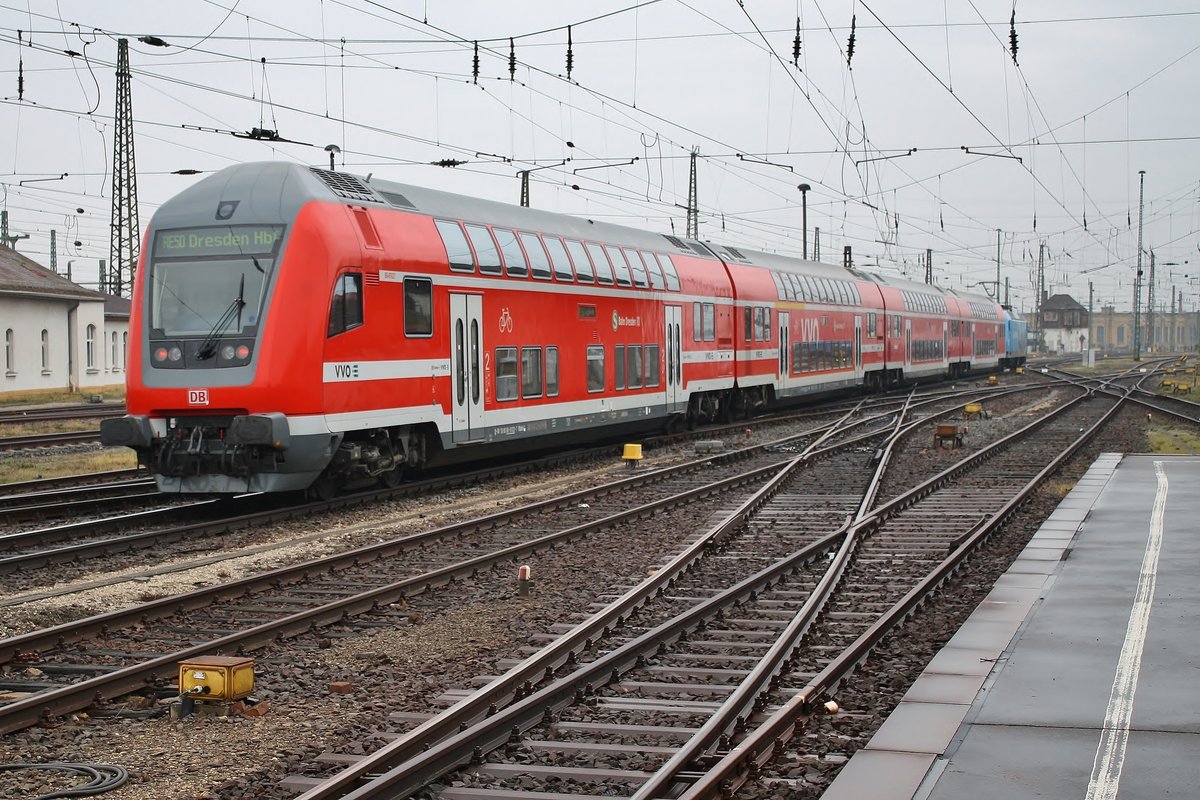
(1110, 754)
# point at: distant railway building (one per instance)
(57, 334)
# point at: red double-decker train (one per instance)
(295, 327)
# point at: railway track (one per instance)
(81, 411)
(250, 612)
(41, 440)
(683, 704)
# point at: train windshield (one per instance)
(198, 275)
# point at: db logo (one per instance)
(197, 397)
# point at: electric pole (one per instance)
(929, 266)
(816, 244)
(1041, 292)
(54, 251)
(125, 243)
(1137, 279)
(693, 206)
(997, 265)
(1150, 337)
(5, 239)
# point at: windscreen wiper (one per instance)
(208, 347)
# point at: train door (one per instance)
(858, 360)
(908, 342)
(945, 343)
(676, 401)
(466, 366)
(785, 346)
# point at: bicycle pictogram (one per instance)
(506, 321)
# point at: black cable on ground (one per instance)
(104, 778)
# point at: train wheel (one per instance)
(323, 488)
(391, 479)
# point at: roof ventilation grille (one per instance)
(346, 185)
(397, 199)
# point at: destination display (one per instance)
(222, 240)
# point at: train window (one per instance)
(460, 361)
(697, 324)
(583, 264)
(619, 366)
(749, 325)
(418, 307)
(653, 365)
(656, 278)
(514, 258)
(633, 369)
(558, 258)
(346, 308)
(710, 322)
(600, 262)
(551, 372)
(458, 252)
(793, 282)
(531, 372)
(475, 361)
(595, 368)
(506, 373)
(539, 262)
(485, 249)
(762, 320)
(635, 264)
(668, 268)
(620, 267)
(855, 297)
(779, 292)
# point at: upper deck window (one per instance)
(559, 258)
(539, 262)
(485, 249)
(458, 252)
(600, 262)
(514, 257)
(583, 264)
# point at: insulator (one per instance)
(475, 65)
(796, 45)
(512, 60)
(1012, 35)
(570, 54)
(850, 44)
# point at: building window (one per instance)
(45, 350)
(10, 354)
(418, 307)
(125, 347)
(114, 363)
(90, 348)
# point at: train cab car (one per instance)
(295, 327)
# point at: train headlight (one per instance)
(175, 354)
(227, 352)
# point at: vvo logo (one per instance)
(197, 397)
(345, 371)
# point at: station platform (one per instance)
(1079, 675)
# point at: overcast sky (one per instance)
(1103, 89)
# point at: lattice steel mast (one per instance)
(126, 234)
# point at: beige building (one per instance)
(1164, 332)
(57, 335)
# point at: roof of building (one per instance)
(117, 307)
(20, 275)
(1062, 302)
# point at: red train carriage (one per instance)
(298, 328)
